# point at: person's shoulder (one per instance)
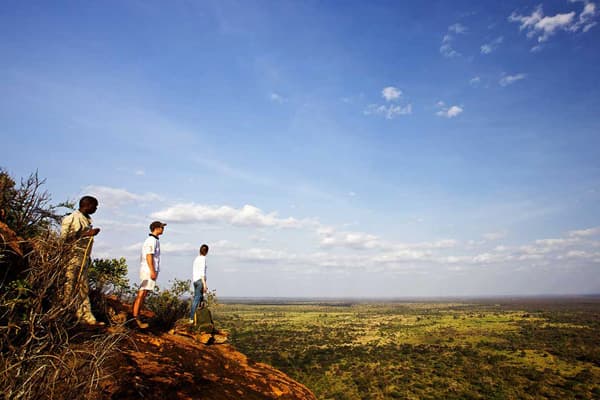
(150, 240)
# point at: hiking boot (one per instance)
(94, 323)
(140, 324)
(91, 321)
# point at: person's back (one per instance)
(199, 280)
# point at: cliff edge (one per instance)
(177, 366)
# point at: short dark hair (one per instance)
(156, 224)
(204, 246)
(87, 200)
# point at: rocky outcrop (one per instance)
(174, 366)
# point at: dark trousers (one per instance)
(198, 296)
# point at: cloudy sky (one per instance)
(321, 148)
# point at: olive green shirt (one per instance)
(73, 226)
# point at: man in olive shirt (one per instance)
(76, 230)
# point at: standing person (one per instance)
(76, 229)
(199, 279)
(149, 268)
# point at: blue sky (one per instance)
(320, 148)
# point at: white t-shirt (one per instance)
(151, 246)
(199, 269)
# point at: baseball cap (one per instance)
(156, 224)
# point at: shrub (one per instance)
(37, 359)
(109, 276)
(168, 306)
(27, 209)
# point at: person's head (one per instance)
(157, 228)
(203, 250)
(88, 204)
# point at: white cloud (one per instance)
(585, 18)
(115, 197)
(578, 254)
(277, 98)
(550, 24)
(446, 48)
(584, 232)
(475, 81)
(390, 111)
(510, 79)
(457, 28)
(447, 51)
(400, 256)
(491, 46)
(265, 255)
(356, 240)
(438, 244)
(554, 243)
(448, 112)
(543, 27)
(391, 93)
(494, 235)
(248, 215)
(170, 247)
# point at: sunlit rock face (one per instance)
(178, 365)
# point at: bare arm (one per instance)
(150, 261)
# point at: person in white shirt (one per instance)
(199, 279)
(149, 268)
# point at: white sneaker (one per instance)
(191, 321)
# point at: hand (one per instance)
(153, 275)
(92, 232)
(205, 290)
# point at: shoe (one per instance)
(93, 322)
(140, 324)
(191, 321)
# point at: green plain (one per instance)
(489, 349)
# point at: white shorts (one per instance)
(147, 283)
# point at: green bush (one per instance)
(109, 276)
(168, 306)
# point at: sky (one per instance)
(320, 148)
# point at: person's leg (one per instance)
(137, 306)
(71, 276)
(198, 297)
(84, 312)
(139, 302)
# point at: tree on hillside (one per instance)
(27, 209)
